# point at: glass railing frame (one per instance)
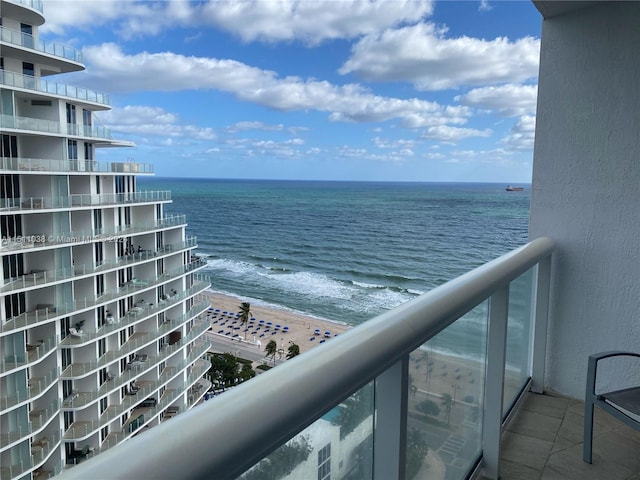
(44, 165)
(39, 84)
(249, 421)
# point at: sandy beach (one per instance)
(431, 372)
(305, 331)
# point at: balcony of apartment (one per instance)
(83, 429)
(84, 201)
(38, 166)
(36, 387)
(135, 318)
(41, 125)
(36, 84)
(38, 420)
(31, 49)
(40, 452)
(390, 403)
(34, 352)
(140, 365)
(42, 240)
(33, 4)
(48, 312)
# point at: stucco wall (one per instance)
(586, 185)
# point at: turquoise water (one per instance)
(344, 251)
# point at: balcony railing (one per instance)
(51, 126)
(37, 386)
(43, 313)
(34, 352)
(38, 455)
(29, 82)
(27, 40)
(365, 383)
(82, 429)
(41, 239)
(84, 200)
(134, 344)
(89, 166)
(35, 4)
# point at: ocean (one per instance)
(343, 251)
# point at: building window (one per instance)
(14, 304)
(71, 114)
(86, 117)
(9, 146)
(13, 266)
(9, 186)
(100, 285)
(324, 463)
(72, 149)
(97, 219)
(27, 35)
(104, 433)
(28, 69)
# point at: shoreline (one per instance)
(304, 330)
(433, 373)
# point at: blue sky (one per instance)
(401, 90)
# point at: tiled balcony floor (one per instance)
(544, 442)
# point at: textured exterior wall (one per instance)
(586, 186)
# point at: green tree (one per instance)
(226, 371)
(271, 349)
(245, 312)
(447, 402)
(293, 350)
(428, 407)
(417, 451)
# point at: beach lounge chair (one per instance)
(622, 404)
(76, 333)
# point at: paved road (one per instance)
(222, 344)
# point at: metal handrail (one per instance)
(255, 418)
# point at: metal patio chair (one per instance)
(621, 404)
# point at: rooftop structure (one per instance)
(100, 299)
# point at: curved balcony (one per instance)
(20, 39)
(37, 386)
(34, 353)
(82, 429)
(43, 313)
(38, 419)
(137, 316)
(36, 84)
(34, 4)
(135, 343)
(72, 166)
(46, 240)
(50, 126)
(84, 200)
(39, 453)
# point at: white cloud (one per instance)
(111, 68)
(386, 143)
(522, 134)
(266, 20)
(422, 55)
(140, 120)
(253, 125)
(510, 99)
(446, 133)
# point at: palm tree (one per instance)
(293, 350)
(271, 349)
(447, 403)
(245, 312)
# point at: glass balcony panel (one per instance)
(338, 445)
(518, 352)
(446, 391)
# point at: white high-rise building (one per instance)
(100, 302)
